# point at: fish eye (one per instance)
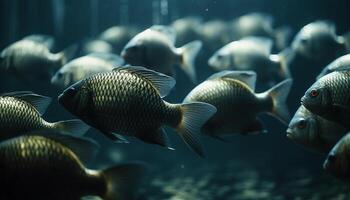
(302, 124)
(59, 74)
(220, 56)
(331, 158)
(314, 93)
(303, 40)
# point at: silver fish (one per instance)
(318, 40)
(85, 66)
(31, 59)
(154, 48)
(252, 53)
(339, 64)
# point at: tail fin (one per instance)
(279, 94)
(194, 116)
(68, 53)
(123, 180)
(189, 53)
(284, 59)
(71, 127)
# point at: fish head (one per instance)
(337, 161)
(303, 127)
(76, 99)
(63, 77)
(4, 61)
(133, 52)
(317, 40)
(221, 60)
(317, 98)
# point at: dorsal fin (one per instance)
(247, 77)
(40, 103)
(108, 57)
(45, 40)
(167, 31)
(161, 82)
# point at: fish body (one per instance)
(329, 97)
(318, 40)
(21, 114)
(85, 66)
(36, 167)
(118, 36)
(30, 59)
(339, 64)
(337, 162)
(154, 48)
(252, 53)
(128, 101)
(232, 93)
(313, 131)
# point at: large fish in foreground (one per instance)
(129, 101)
(31, 58)
(36, 167)
(232, 93)
(20, 113)
(154, 48)
(313, 131)
(329, 97)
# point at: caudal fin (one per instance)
(279, 94)
(194, 116)
(189, 53)
(123, 180)
(70, 127)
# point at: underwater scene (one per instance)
(175, 100)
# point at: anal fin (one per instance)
(158, 137)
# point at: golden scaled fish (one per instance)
(128, 101)
(232, 93)
(36, 167)
(20, 113)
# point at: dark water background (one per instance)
(271, 152)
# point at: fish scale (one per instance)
(123, 111)
(17, 114)
(339, 83)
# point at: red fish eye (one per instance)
(314, 93)
(302, 124)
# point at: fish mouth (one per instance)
(290, 134)
(302, 101)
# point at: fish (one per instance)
(36, 167)
(95, 46)
(252, 53)
(118, 36)
(128, 101)
(339, 64)
(215, 34)
(329, 97)
(154, 48)
(314, 132)
(232, 93)
(261, 25)
(31, 59)
(187, 29)
(85, 66)
(318, 40)
(21, 113)
(337, 162)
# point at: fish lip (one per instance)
(325, 165)
(289, 134)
